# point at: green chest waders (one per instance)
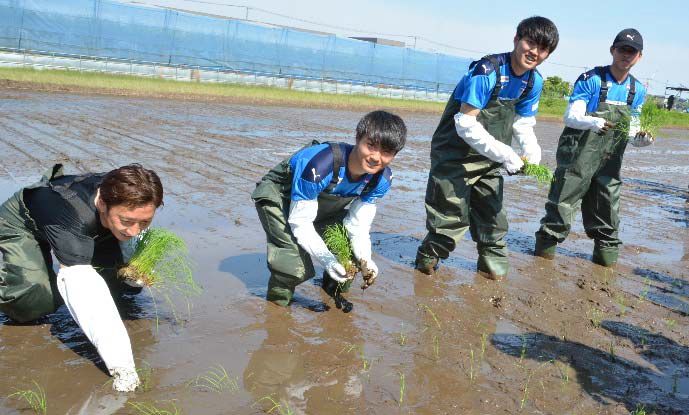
(288, 263)
(27, 281)
(588, 173)
(465, 188)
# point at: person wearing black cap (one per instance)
(602, 116)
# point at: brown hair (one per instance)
(131, 186)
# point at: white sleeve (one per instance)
(523, 134)
(88, 300)
(471, 131)
(302, 213)
(575, 117)
(358, 224)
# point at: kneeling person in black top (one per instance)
(85, 222)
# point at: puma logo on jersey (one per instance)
(485, 68)
(315, 175)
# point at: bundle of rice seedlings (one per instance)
(541, 173)
(650, 121)
(161, 263)
(337, 241)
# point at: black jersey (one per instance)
(65, 214)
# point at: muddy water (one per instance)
(560, 337)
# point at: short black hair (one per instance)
(541, 30)
(383, 128)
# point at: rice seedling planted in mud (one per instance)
(402, 388)
(280, 408)
(216, 380)
(542, 173)
(161, 263)
(144, 408)
(35, 398)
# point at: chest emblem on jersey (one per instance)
(315, 175)
(504, 79)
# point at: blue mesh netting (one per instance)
(120, 31)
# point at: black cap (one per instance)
(629, 37)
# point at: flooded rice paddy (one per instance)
(554, 337)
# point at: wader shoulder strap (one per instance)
(373, 182)
(82, 207)
(498, 85)
(529, 84)
(338, 161)
(603, 95)
(632, 90)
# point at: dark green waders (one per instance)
(28, 287)
(465, 188)
(588, 173)
(288, 263)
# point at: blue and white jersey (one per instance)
(587, 88)
(476, 86)
(312, 171)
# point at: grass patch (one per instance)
(35, 398)
(161, 263)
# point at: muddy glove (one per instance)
(302, 213)
(358, 224)
(124, 379)
(642, 139)
(523, 134)
(88, 300)
(472, 132)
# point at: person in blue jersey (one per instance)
(493, 103)
(321, 184)
(602, 117)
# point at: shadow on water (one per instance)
(666, 291)
(252, 271)
(662, 385)
(67, 331)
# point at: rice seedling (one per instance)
(402, 388)
(430, 311)
(145, 408)
(216, 380)
(366, 362)
(436, 347)
(541, 173)
(35, 398)
(640, 410)
(161, 263)
(471, 364)
(522, 353)
(611, 351)
(484, 341)
(621, 302)
(670, 323)
(402, 339)
(145, 373)
(595, 317)
(282, 409)
(337, 241)
(651, 119)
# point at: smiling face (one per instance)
(125, 222)
(624, 57)
(368, 157)
(527, 55)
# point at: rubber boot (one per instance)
(492, 267)
(545, 247)
(335, 289)
(426, 264)
(605, 255)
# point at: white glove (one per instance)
(302, 213)
(337, 272)
(642, 139)
(124, 379)
(523, 134)
(88, 300)
(473, 133)
(358, 224)
(575, 117)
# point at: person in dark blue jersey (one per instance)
(496, 101)
(321, 184)
(602, 117)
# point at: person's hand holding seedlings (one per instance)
(358, 224)
(642, 139)
(607, 126)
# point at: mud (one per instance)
(556, 337)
